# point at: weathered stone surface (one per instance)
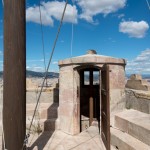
(138, 100)
(136, 82)
(135, 123)
(117, 102)
(51, 95)
(90, 58)
(30, 84)
(138, 85)
(124, 141)
(45, 117)
(117, 77)
(49, 112)
(69, 118)
(136, 77)
(69, 87)
(51, 124)
(58, 140)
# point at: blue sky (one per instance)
(117, 28)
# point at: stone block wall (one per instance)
(117, 88)
(68, 104)
(69, 101)
(48, 95)
(138, 100)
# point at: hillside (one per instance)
(34, 74)
(30, 73)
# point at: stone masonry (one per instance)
(136, 82)
(69, 81)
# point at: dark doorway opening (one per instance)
(94, 100)
(89, 97)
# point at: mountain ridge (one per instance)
(35, 74)
(30, 73)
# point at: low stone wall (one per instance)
(48, 95)
(138, 100)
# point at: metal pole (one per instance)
(91, 110)
(14, 99)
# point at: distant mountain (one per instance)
(37, 74)
(30, 73)
(41, 74)
(144, 76)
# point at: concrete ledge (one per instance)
(135, 123)
(92, 58)
(139, 93)
(124, 141)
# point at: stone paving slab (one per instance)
(58, 140)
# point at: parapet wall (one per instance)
(138, 100)
(136, 82)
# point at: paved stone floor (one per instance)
(58, 140)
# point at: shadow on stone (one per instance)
(50, 125)
(41, 141)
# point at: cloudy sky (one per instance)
(117, 28)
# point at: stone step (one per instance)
(135, 123)
(45, 111)
(51, 112)
(123, 141)
(51, 124)
(30, 107)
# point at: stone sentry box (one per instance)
(69, 85)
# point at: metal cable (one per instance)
(3, 2)
(57, 35)
(43, 47)
(148, 4)
(72, 31)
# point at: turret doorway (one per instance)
(89, 97)
(94, 100)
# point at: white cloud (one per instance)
(27, 67)
(121, 16)
(55, 62)
(134, 29)
(140, 64)
(51, 10)
(33, 15)
(91, 8)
